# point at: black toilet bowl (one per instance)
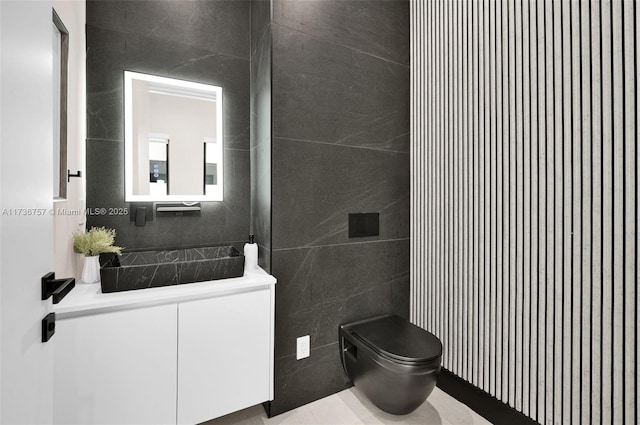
(393, 362)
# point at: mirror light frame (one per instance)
(129, 76)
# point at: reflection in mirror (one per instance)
(173, 140)
(60, 79)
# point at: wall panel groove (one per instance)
(525, 200)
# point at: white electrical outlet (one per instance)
(302, 345)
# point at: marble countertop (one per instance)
(87, 298)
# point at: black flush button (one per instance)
(364, 224)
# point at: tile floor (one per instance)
(350, 407)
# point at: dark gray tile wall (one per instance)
(337, 94)
(217, 26)
(261, 129)
(318, 128)
(372, 26)
(202, 41)
(340, 88)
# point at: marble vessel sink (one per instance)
(149, 269)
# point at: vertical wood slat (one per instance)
(557, 211)
(576, 279)
(631, 188)
(586, 242)
(486, 231)
(607, 211)
(505, 200)
(511, 142)
(636, 333)
(541, 213)
(497, 354)
(596, 232)
(524, 251)
(618, 206)
(531, 390)
(526, 185)
(576, 219)
(567, 213)
(467, 188)
(518, 202)
(548, 278)
(491, 352)
(474, 191)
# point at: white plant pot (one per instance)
(91, 270)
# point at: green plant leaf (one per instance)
(96, 241)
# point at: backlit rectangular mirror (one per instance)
(173, 140)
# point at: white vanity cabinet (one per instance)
(167, 355)
(223, 368)
(117, 367)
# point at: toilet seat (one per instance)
(397, 340)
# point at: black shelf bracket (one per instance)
(58, 288)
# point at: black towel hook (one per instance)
(69, 175)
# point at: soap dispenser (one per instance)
(250, 255)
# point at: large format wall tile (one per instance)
(316, 186)
(201, 41)
(340, 145)
(380, 28)
(321, 288)
(219, 222)
(105, 173)
(298, 382)
(111, 52)
(218, 26)
(327, 93)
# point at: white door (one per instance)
(26, 228)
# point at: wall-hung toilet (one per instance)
(393, 362)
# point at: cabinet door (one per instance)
(117, 367)
(224, 355)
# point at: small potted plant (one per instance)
(91, 244)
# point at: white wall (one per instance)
(187, 122)
(67, 263)
(524, 257)
(1, 278)
(140, 132)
